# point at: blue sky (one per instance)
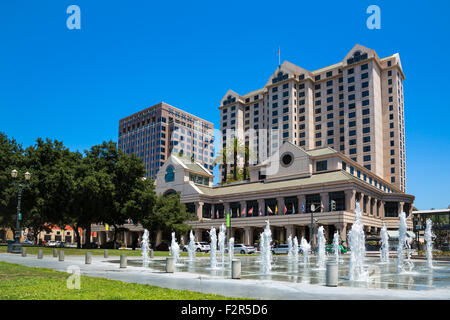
(74, 85)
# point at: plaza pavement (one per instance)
(258, 289)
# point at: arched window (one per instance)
(169, 192)
(170, 176)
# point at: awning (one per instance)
(393, 234)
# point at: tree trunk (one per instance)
(87, 241)
(115, 236)
(235, 162)
(246, 163)
(224, 166)
(77, 234)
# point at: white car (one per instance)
(241, 248)
(199, 247)
(53, 243)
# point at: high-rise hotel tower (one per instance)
(155, 132)
(354, 106)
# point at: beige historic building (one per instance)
(354, 106)
(282, 189)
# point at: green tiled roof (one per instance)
(195, 167)
(334, 176)
(320, 152)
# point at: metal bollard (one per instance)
(88, 258)
(55, 253)
(40, 254)
(61, 255)
(24, 252)
(106, 254)
(236, 269)
(152, 254)
(123, 261)
(170, 264)
(332, 275)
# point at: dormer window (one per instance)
(170, 176)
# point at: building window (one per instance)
(321, 165)
(170, 176)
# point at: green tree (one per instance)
(169, 215)
(45, 201)
(11, 157)
(129, 195)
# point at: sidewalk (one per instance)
(258, 289)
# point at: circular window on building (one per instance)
(286, 159)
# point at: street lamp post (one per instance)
(16, 247)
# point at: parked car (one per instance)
(283, 249)
(199, 247)
(330, 248)
(242, 249)
(53, 243)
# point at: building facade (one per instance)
(355, 106)
(283, 189)
(155, 132)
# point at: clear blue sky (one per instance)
(74, 85)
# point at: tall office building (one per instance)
(354, 106)
(153, 133)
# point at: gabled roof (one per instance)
(191, 166)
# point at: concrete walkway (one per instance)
(259, 289)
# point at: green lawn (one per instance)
(18, 282)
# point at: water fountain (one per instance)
(290, 253)
(174, 249)
(429, 239)
(213, 248)
(231, 249)
(266, 249)
(403, 244)
(295, 250)
(222, 243)
(384, 251)
(321, 248)
(191, 246)
(305, 246)
(357, 243)
(336, 246)
(145, 248)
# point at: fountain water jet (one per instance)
(384, 250)
(290, 253)
(266, 250)
(336, 246)
(231, 250)
(213, 248)
(321, 248)
(429, 239)
(145, 248)
(305, 246)
(191, 246)
(357, 243)
(403, 244)
(295, 250)
(174, 249)
(222, 243)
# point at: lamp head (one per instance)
(14, 174)
(27, 176)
